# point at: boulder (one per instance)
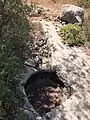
(72, 14)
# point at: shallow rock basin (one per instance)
(46, 91)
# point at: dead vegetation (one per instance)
(53, 4)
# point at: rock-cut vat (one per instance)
(46, 91)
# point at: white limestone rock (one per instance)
(71, 13)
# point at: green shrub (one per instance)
(14, 33)
(86, 5)
(73, 35)
(14, 28)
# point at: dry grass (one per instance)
(54, 4)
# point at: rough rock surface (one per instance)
(41, 48)
(27, 109)
(72, 14)
(73, 65)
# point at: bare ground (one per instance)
(53, 4)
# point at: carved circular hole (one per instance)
(46, 91)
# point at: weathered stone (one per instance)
(34, 63)
(72, 66)
(28, 109)
(72, 14)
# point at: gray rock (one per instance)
(72, 14)
(27, 108)
(34, 63)
(30, 62)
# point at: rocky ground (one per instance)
(46, 91)
(71, 63)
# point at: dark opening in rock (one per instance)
(45, 91)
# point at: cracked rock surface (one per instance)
(73, 66)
